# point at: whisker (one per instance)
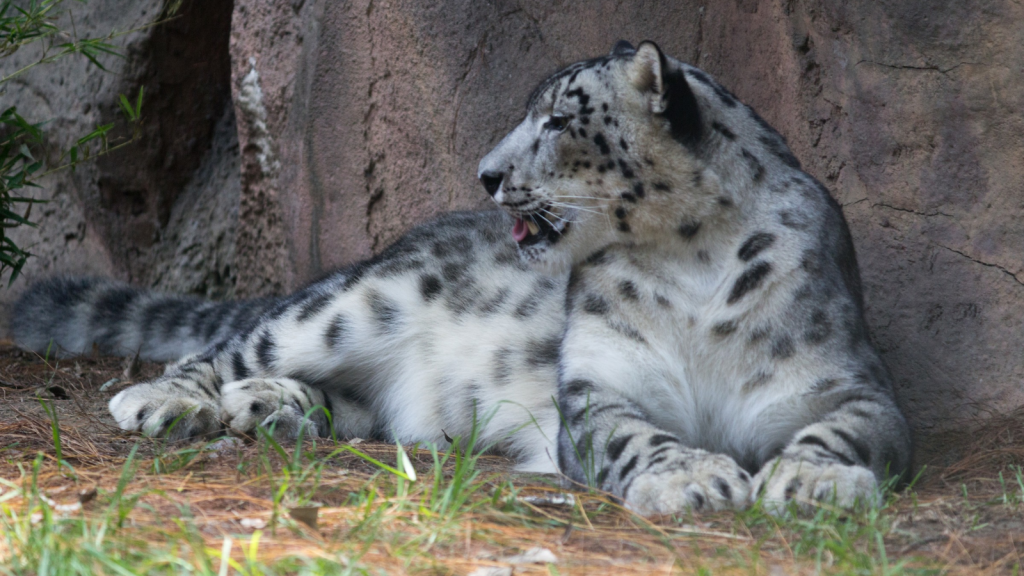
(541, 216)
(563, 219)
(606, 216)
(583, 197)
(574, 207)
(556, 216)
(594, 202)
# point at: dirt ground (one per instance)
(960, 517)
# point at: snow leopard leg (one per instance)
(284, 364)
(285, 406)
(289, 407)
(607, 441)
(191, 400)
(183, 403)
(861, 440)
(202, 394)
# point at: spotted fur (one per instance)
(677, 317)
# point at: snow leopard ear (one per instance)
(668, 92)
(622, 48)
(645, 71)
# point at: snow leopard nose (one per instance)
(492, 181)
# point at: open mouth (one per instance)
(532, 228)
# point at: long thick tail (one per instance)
(66, 316)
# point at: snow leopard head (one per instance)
(610, 152)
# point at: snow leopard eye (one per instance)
(557, 122)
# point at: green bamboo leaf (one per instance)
(97, 133)
(16, 218)
(105, 48)
(16, 270)
(126, 107)
(13, 247)
(95, 61)
(138, 103)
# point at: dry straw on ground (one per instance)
(181, 506)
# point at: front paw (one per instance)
(161, 409)
(273, 404)
(693, 480)
(789, 479)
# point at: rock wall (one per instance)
(161, 212)
(358, 119)
(910, 113)
(909, 110)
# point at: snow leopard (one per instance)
(665, 307)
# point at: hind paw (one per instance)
(161, 409)
(276, 404)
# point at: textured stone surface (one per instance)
(196, 250)
(907, 110)
(356, 120)
(168, 199)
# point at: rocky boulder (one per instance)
(356, 120)
(376, 114)
(162, 211)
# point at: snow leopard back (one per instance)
(68, 316)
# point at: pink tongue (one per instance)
(520, 231)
